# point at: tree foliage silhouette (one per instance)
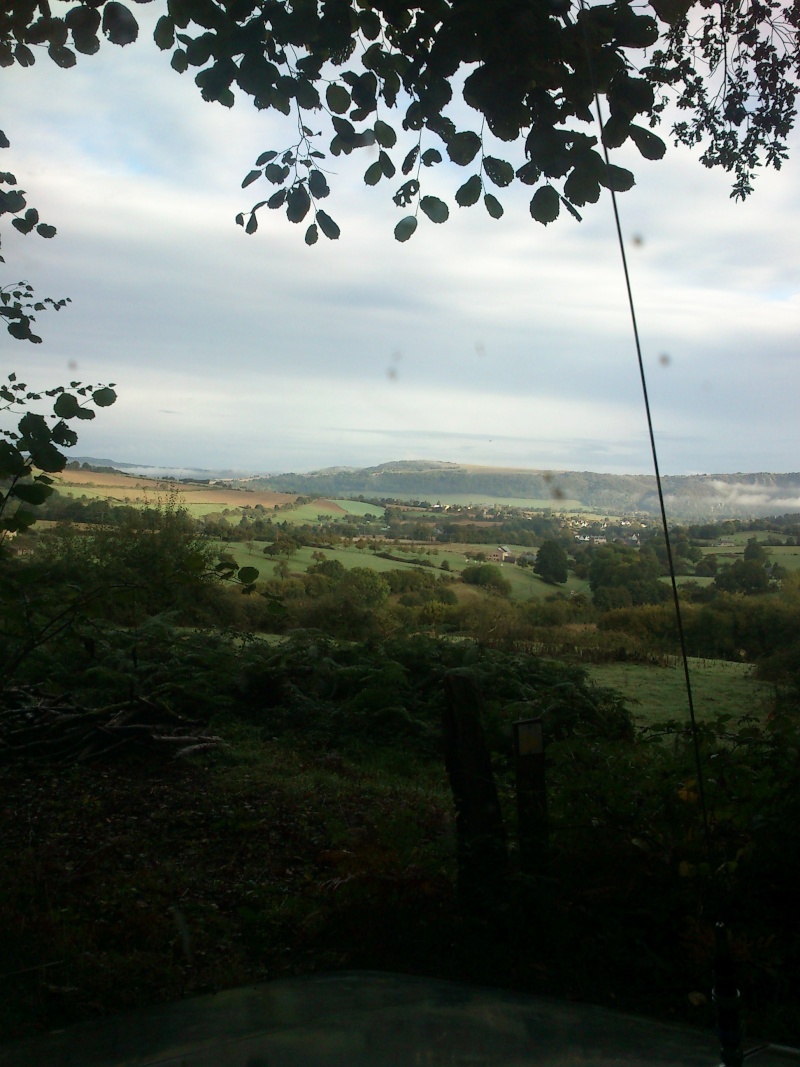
(528, 70)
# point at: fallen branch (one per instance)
(35, 726)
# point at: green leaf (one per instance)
(312, 234)
(64, 436)
(630, 96)
(470, 191)
(119, 25)
(19, 521)
(328, 226)
(12, 462)
(463, 147)
(247, 575)
(31, 494)
(47, 457)
(373, 173)
(337, 98)
(254, 175)
(582, 186)
(616, 131)
(265, 157)
(650, 146)
(435, 209)
(384, 134)
(34, 429)
(104, 398)
(66, 406)
(86, 43)
(617, 178)
(179, 61)
(369, 24)
(387, 166)
(277, 199)
(410, 160)
(63, 57)
(12, 201)
(276, 173)
(529, 173)
(22, 225)
(317, 184)
(431, 156)
(252, 222)
(44, 229)
(85, 413)
(298, 203)
(493, 206)
(500, 172)
(406, 193)
(405, 228)
(164, 33)
(545, 205)
(23, 55)
(306, 95)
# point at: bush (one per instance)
(488, 577)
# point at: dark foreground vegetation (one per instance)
(203, 788)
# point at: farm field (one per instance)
(200, 500)
(525, 585)
(787, 556)
(328, 509)
(658, 693)
(128, 489)
(301, 560)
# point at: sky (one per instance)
(499, 343)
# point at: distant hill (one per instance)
(697, 496)
(147, 470)
(689, 497)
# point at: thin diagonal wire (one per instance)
(654, 452)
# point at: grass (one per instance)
(532, 503)
(302, 559)
(787, 556)
(361, 508)
(525, 585)
(148, 883)
(338, 510)
(659, 693)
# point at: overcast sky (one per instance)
(482, 341)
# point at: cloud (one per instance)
(500, 341)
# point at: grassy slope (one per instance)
(659, 693)
(525, 585)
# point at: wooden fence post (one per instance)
(529, 760)
(482, 852)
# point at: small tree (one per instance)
(551, 563)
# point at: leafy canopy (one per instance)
(32, 450)
(382, 74)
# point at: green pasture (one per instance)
(310, 513)
(657, 693)
(360, 508)
(787, 556)
(525, 585)
(302, 559)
